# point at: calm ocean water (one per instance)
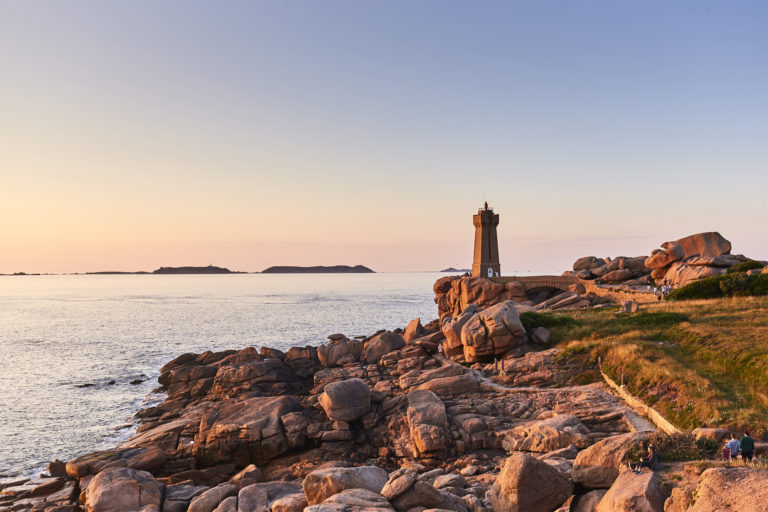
(59, 333)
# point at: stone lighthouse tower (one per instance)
(486, 261)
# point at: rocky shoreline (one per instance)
(391, 422)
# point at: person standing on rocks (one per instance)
(747, 447)
(734, 446)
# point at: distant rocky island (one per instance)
(115, 272)
(456, 270)
(335, 269)
(210, 269)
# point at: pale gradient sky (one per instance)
(136, 134)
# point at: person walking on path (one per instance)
(734, 445)
(747, 447)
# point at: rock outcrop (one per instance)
(340, 351)
(346, 400)
(494, 331)
(370, 424)
(633, 492)
(598, 466)
(742, 489)
(385, 343)
(676, 263)
(120, 489)
(547, 435)
(521, 486)
(427, 423)
(454, 294)
(321, 484)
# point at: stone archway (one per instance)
(538, 294)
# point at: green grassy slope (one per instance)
(700, 363)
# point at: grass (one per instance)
(699, 466)
(700, 363)
(531, 320)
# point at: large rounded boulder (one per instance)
(452, 331)
(346, 400)
(588, 263)
(597, 467)
(123, 489)
(705, 244)
(632, 492)
(680, 273)
(339, 351)
(321, 484)
(669, 253)
(381, 344)
(526, 484)
(492, 332)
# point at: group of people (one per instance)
(745, 445)
(731, 450)
(662, 291)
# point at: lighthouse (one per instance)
(486, 260)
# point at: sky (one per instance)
(245, 134)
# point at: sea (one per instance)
(80, 354)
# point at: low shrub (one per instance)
(744, 266)
(674, 447)
(532, 320)
(737, 284)
(732, 283)
(587, 377)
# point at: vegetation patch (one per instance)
(736, 284)
(532, 320)
(699, 363)
(744, 266)
(652, 318)
(674, 447)
(587, 377)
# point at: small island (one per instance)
(210, 269)
(114, 272)
(456, 270)
(336, 269)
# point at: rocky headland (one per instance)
(469, 413)
(384, 423)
